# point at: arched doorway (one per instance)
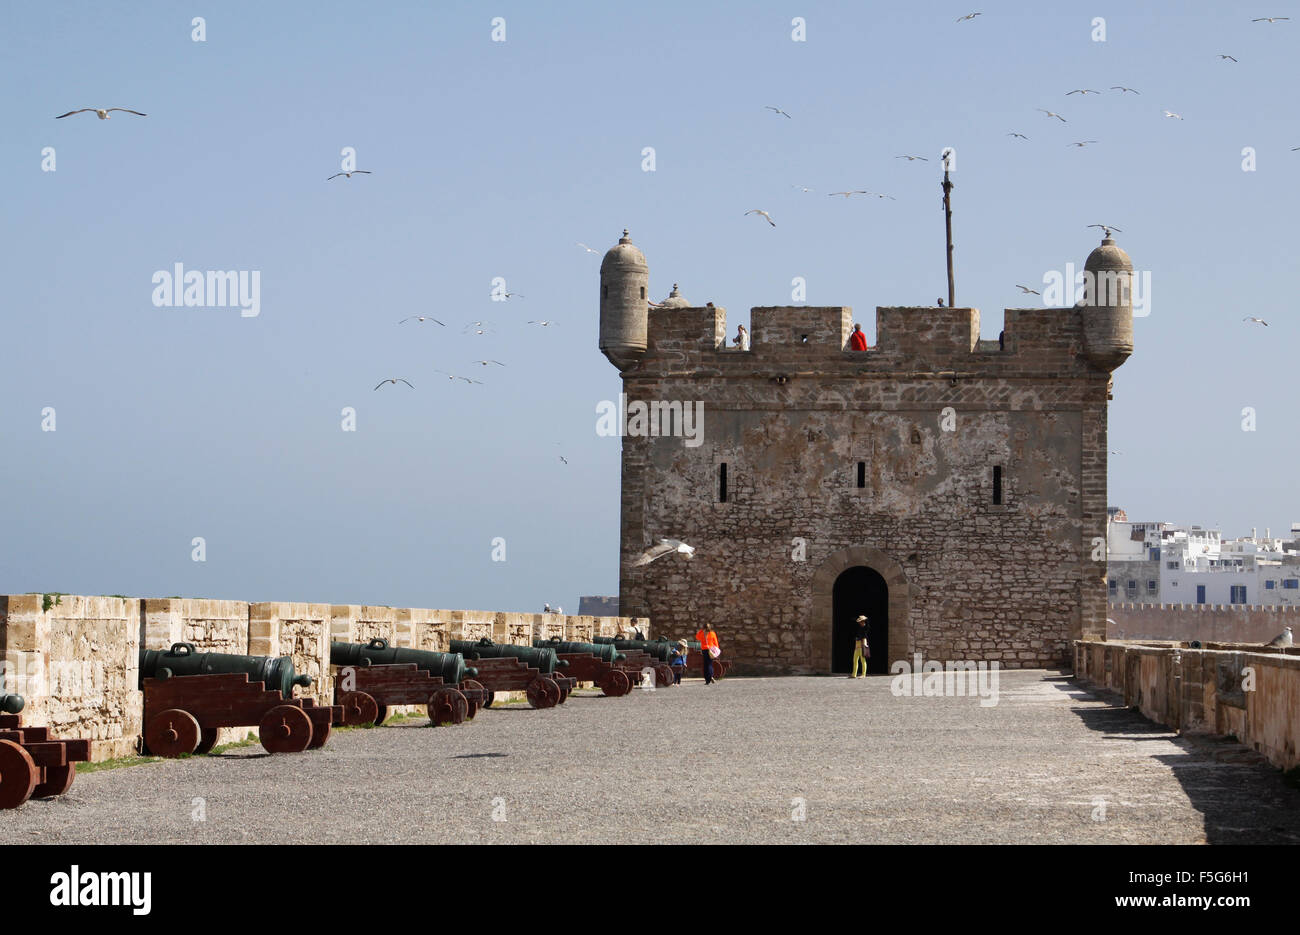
(859, 590)
(821, 620)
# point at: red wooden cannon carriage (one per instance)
(636, 662)
(510, 674)
(609, 677)
(34, 765)
(183, 713)
(371, 690)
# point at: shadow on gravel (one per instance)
(1240, 803)
(474, 756)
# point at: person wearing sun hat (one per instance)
(861, 648)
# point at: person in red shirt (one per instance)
(708, 641)
(857, 340)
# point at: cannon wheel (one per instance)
(359, 708)
(492, 696)
(447, 706)
(17, 775)
(172, 733)
(616, 684)
(319, 735)
(542, 692)
(58, 780)
(285, 729)
(663, 675)
(381, 715)
(473, 705)
(564, 691)
(207, 740)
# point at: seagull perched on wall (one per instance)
(1282, 639)
(420, 318)
(763, 213)
(1051, 113)
(779, 111)
(350, 174)
(665, 547)
(394, 381)
(1257, 320)
(101, 114)
(1106, 228)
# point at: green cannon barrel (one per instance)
(183, 659)
(657, 649)
(448, 666)
(544, 660)
(11, 704)
(606, 652)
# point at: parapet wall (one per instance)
(1227, 623)
(76, 663)
(1041, 340)
(1240, 691)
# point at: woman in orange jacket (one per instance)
(709, 648)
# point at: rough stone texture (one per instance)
(792, 418)
(77, 666)
(301, 631)
(709, 765)
(1227, 623)
(1206, 690)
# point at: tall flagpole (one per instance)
(947, 216)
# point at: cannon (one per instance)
(34, 765)
(189, 696)
(276, 672)
(695, 661)
(505, 667)
(375, 676)
(653, 654)
(593, 662)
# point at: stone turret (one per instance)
(675, 299)
(624, 304)
(1107, 306)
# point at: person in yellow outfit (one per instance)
(861, 648)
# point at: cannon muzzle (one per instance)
(449, 666)
(11, 704)
(544, 659)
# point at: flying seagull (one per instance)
(102, 114)
(489, 361)
(510, 295)
(803, 188)
(856, 191)
(1084, 91)
(664, 547)
(1107, 228)
(350, 174)
(1170, 113)
(1081, 144)
(1021, 135)
(1228, 57)
(912, 158)
(1027, 290)
(588, 249)
(394, 381)
(778, 110)
(1269, 19)
(764, 214)
(1052, 113)
(1282, 639)
(453, 376)
(882, 195)
(969, 16)
(1259, 320)
(544, 324)
(421, 318)
(1121, 89)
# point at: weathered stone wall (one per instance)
(1227, 623)
(1247, 692)
(77, 666)
(77, 663)
(792, 418)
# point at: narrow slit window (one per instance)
(997, 485)
(722, 483)
(862, 474)
(643, 292)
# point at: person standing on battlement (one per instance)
(741, 340)
(857, 340)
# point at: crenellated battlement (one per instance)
(908, 338)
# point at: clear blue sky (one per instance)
(494, 159)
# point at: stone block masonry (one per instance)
(77, 663)
(1224, 623)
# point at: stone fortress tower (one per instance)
(952, 489)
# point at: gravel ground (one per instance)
(735, 762)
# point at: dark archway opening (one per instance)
(860, 590)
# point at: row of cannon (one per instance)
(189, 696)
